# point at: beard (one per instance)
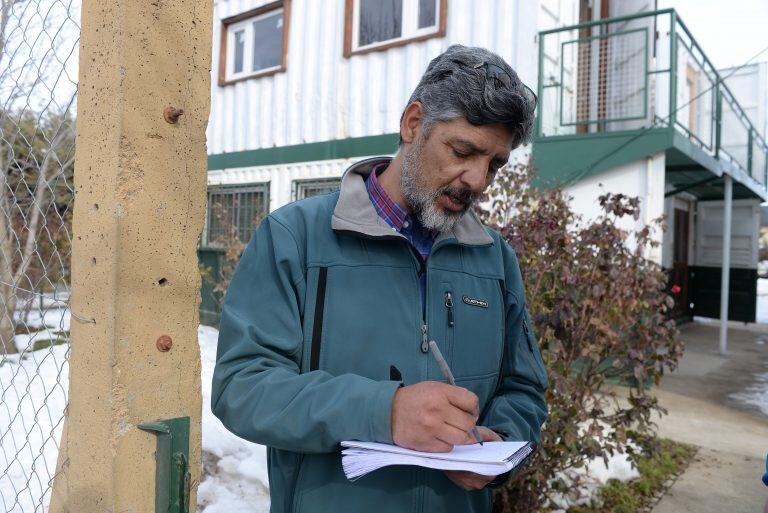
(423, 200)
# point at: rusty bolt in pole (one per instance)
(164, 343)
(171, 114)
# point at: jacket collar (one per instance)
(354, 211)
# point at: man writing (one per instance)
(326, 325)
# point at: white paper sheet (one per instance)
(490, 459)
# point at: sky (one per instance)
(729, 31)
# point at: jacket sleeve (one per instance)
(258, 390)
(517, 410)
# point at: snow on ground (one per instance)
(594, 475)
(238, 481)
(33, 391)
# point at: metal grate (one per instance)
(307, 188)
(235, 211)
(38, 69)
(607, 80)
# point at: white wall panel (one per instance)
(745, 230)
(643, 178)
(323, 95)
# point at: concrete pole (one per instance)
(726, 274)
(140, 183)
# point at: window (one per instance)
(380, 24)
(306, 188)
(235, 210)
(254, 43)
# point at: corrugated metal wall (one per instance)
(324, 96)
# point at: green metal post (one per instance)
(600, 55)
(540, 85)
(172, 476)
(718, 116)
(750, 140)
(672, 68)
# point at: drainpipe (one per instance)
(726, 271)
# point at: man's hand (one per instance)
(432, 416)
(470, 480)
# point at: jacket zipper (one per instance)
(527, 334)
(317, 325)
(449, 306)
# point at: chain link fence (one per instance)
(38, 84)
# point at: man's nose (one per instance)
(474, 178)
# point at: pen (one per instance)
(449, 376)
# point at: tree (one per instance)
(36, 169)
(36, 156)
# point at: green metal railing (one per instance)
(641, 72)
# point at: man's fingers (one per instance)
(451, 435)
(488, 435)
(468, 480)
(437, 445)
(464, 399)
(460, 419)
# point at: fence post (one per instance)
(140, 184)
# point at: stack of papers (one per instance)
(489, 459)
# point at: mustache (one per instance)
(463, 196)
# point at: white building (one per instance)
(628, 102)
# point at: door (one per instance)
(679, 285)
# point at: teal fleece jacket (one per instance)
(322, 322)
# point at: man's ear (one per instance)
(410, 124)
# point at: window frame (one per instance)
(225, 77)
(233, 189)
(296, 185)
(352, 23)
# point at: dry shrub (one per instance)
(600, 308)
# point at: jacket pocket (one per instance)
(317, 324)
(475, 326)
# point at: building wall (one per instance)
(322, 95)
(643, 178)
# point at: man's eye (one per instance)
(460, 154)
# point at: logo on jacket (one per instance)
(473, 301)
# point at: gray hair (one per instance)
(454, 86)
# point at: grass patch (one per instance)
(49, 342)
(639, 494)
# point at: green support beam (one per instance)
(385, 144)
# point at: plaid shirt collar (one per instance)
(385, 206)
(422, 238)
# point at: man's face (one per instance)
(446, 173)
